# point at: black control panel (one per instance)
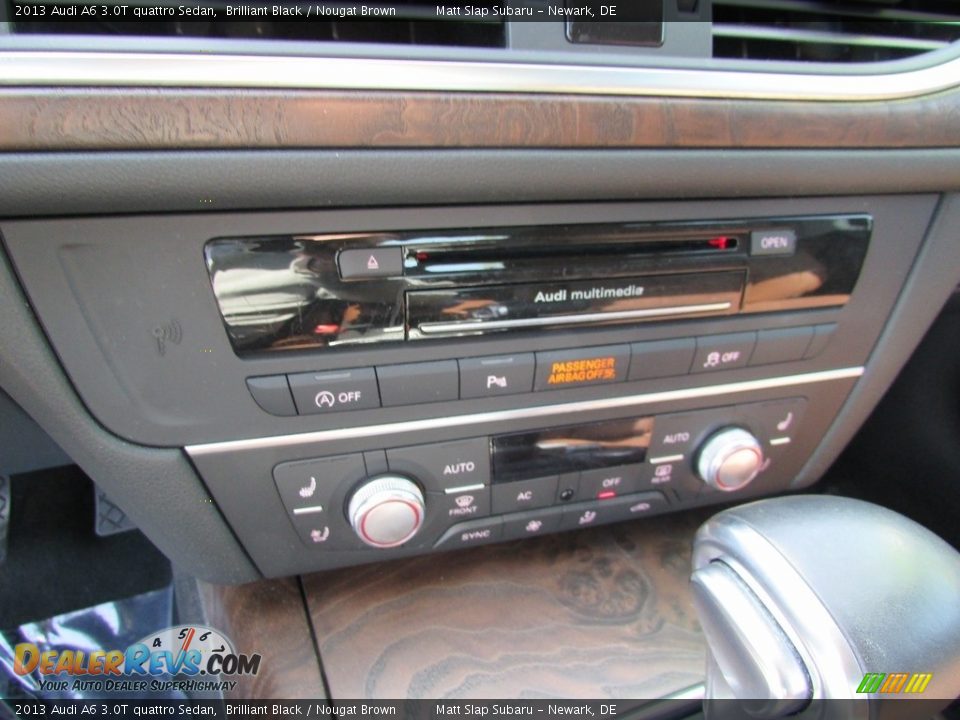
(498, 375)
(355, 385)
(482, 489)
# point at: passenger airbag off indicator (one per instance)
(576, 368)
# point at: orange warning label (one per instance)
(570, 372)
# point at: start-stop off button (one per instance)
(334, 391)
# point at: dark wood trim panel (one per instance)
(140, 119)
(269, 618)
(590, 614)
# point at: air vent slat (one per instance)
(797, 35)
(807, 30)
(866, 11)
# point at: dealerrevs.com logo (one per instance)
(194, 653)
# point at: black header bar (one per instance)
(481, 11)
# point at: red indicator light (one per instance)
(721, 242)
(606, 495)
(422, 256)
(326, 330)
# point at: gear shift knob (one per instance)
(801, 597)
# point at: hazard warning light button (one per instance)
(370, 263)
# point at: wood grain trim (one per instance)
(269, 618)
(592, 614)
(140, 119)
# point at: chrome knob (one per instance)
(730, 459)
(386, 511)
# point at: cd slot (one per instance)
(442, 328)
(477, 310)
(442, 261)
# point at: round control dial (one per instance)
(730, 459)
(386, 511)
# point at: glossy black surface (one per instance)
(556, 451)
(480, 309)
(285, 292)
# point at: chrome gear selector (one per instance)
(804, 599)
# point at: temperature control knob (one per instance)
(730, 459)
(386, 511)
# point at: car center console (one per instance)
(356, 385)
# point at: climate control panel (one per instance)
(482, 489)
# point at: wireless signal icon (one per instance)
(169, 333)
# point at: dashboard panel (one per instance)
(307, 426)
(120, 172)
(325, 307)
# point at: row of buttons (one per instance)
(540, 522)
(456, 475)
(445, 380)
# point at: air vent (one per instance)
(804, 30)
(408, 26)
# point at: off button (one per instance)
(335, 391)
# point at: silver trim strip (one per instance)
(443, 328)
(192, 70)
(540, 411)
(779, 34)
(308, 510)
(464, 488)
(694, 692)
(780, 441)
(666, 459)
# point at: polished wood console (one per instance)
(177, 119)
(601, 613)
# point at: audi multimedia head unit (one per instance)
(300, 292)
